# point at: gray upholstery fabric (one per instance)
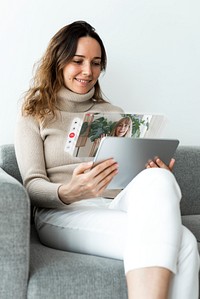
(48, 273)
(14, 237)
(8, 161)
(193, 223)
(68, 275)
(187, 172)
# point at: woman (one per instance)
(142, 224)
(123, 128)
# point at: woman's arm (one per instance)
(85, 182)
(29, 149)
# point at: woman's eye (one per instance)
(96, 63)
(77, 61)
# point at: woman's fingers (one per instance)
(159, 163)
(171, 164)
(93, 179)
(83, 167)
(105, 175)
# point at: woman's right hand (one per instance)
(88, 182)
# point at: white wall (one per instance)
(153, 55)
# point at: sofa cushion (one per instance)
(8, 161)
(59, 274)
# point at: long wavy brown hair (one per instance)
(40, 99)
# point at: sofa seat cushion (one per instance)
(60, 274)
(193, 223)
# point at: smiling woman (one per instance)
(74, 58)
(141, 224)
(83, 71)
(123, 127)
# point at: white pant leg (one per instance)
(86, 227)
(152, 203)
(185, 284)
(147, 211)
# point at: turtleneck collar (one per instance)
(69, 101)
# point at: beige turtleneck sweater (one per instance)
(43, 163)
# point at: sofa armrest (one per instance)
(187, 173)
(14, 237)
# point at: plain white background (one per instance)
(153, 52)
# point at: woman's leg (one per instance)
(157, 282)
(161, 248)
(88, 227)
(151, 283)
(152, 204)
(185, 283)
(149, 208)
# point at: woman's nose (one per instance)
(87, 70)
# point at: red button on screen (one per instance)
(71, 135)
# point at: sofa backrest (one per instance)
(186, 170)
(8, 161)
(187, 173)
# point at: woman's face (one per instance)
(83, 71)
(121, 129)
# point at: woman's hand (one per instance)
(159, 163)
(88, 182)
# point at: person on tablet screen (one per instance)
(141, 225)
(123, 128)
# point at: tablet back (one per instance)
(132, 154)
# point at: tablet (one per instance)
(132, 154)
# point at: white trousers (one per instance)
(141, 226)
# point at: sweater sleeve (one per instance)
(30, 157)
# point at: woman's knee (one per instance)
(155, 182)
(151, 187)
(159, 175)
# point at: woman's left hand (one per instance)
(159, 163)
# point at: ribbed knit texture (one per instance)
(43, 163)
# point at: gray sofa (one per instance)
(30, 270)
